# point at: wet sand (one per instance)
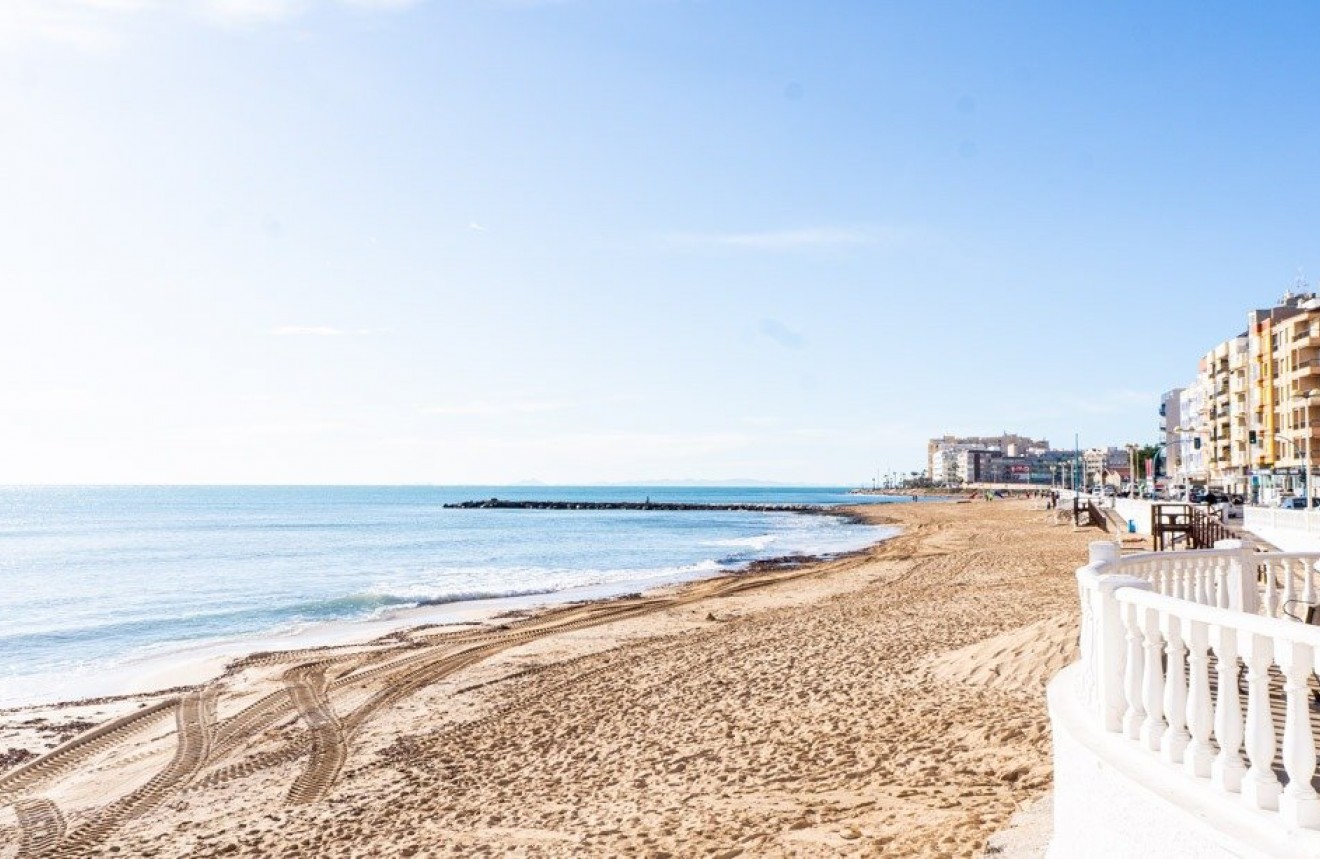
(887, 703)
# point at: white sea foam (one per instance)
(757, 543)
(97, 582)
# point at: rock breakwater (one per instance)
(500, 504)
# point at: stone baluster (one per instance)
(1199, 753)
(1289, 587)
(1259, 786)
(1222, 572)
(1299, 805)
(1308, 582)
(1204, 582)
(1110, 638)
(1237, 562)
(1152, 686)
(1088, 590)
(1135, 713)
(1228, 767)
(1087, 640)
(1271, 594)
(1224, 581)
(1175, 737)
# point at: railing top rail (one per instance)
(1169, 557)
(1212, 553)
(1271, 627)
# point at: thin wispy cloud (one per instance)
(46, 400)
(306, 330)
(322, 331)
(240, 433)
(98, 26)
(803, 238)
(622, 446)
(251, 12)
(1109, 402)
(380, 4)
(83, 25)
(490, 408)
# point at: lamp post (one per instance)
(1132, 469)
(1292, 448)
(1179, 432)
(1077, 460)
(1306, 414)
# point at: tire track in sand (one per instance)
(67, 756)
(193, 731)
(329, 749)
(40, 826)
(310, 689)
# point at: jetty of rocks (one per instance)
(500, 504)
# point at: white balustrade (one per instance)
(1151, 626)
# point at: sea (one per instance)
(100, 586)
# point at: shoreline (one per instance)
(185, 665)
(896, 652)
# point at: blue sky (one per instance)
(493, 240)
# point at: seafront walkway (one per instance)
(1192, 713)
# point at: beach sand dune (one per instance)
(887, 703)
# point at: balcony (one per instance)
(1305, 369)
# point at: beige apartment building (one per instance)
(1256, 422)
(943, 454)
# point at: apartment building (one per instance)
(1247, 414)
(1187, 458)
(947, 455)
(1107, 466)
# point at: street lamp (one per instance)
(1292, 448)
(1306, 398)
(1179, 432)
(1132, 469)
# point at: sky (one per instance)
(583, 241)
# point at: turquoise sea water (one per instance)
(93, 578)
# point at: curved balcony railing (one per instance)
(1200, 659)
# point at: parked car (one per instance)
(1297, 503)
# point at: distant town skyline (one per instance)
(397, 241)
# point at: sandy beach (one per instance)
(885, 703)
